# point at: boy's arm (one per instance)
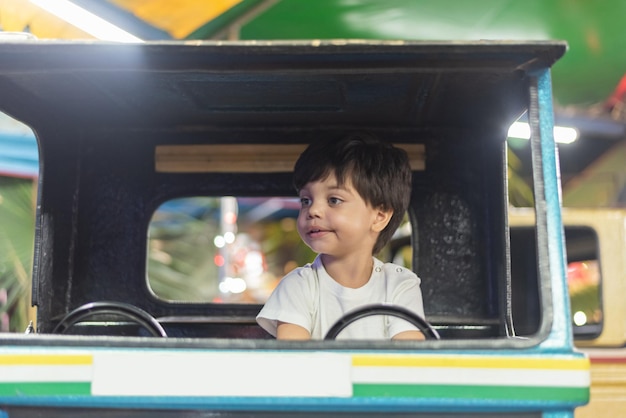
(287, 331)
(409, 335)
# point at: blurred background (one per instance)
(589, 83)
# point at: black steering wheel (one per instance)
(383, 309)
(126, 310)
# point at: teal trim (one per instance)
(362, 404)
(562, 327)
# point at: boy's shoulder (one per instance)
(395, 272)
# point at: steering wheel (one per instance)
(383, 309)
(126, 310)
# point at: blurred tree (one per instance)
(17, 226)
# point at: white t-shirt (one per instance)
(310, 298)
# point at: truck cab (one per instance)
(165, 217)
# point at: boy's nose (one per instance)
(314, 211)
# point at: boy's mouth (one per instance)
(317, 231)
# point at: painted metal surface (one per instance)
(291, 379)
(548, 204)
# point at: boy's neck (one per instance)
(352, 272)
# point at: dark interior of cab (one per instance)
(103, 113)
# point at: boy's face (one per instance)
(335, 220)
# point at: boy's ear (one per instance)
(382, 219)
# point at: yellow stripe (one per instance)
(179, 20)
(47, 360)
(472, 362)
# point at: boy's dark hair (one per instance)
(379, 172)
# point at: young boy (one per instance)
(354, 193)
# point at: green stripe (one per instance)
(473, 392)
(45, 388)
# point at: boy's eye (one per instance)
(334, 200)
(305, 201)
